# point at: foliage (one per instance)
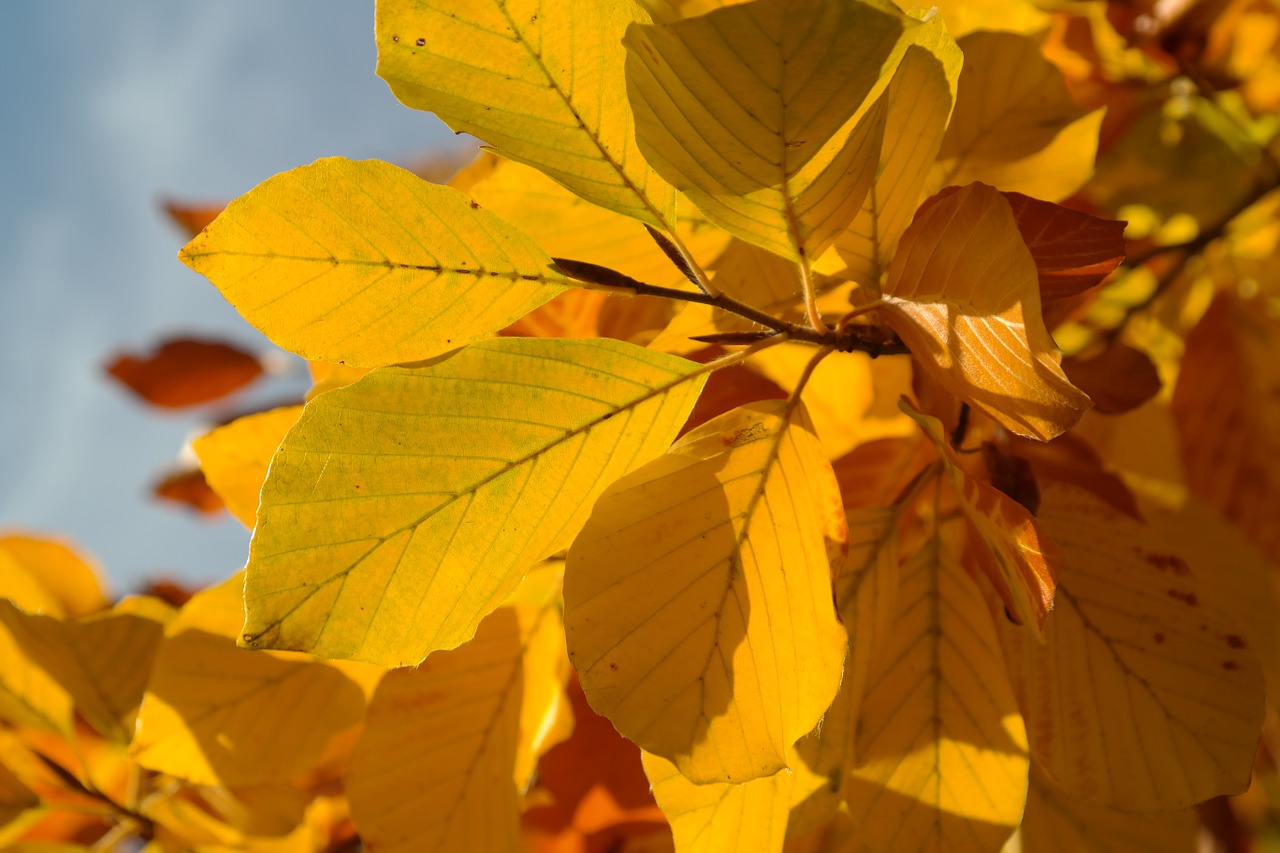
(737, 410)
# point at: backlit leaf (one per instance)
(102, 662)
(28, 695)
(1056, 822)
(942, 751)
(235, 457)
(1014, 553)
(68, 577)
(698, 598)
(919, 102)
(1073, 251)
(186, 372)
(433, 769)
(220, 715)
(750, 817)
(1015, 125)
(766, 114)
(1142, 696)
(541, 83)
(963, 294)
(15, 797)
(363, 262)
(404, 508)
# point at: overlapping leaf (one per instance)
(539, 82)
(942, 751)
(767, 114)
(1015, 125)
(235, 457)
(44, 574)
(964, 295)
(404, 508)
(1142, 696)
(220, 715)
(919, 102)
(1073, 251)
(698, 598)
(363, 262)
(435, 766)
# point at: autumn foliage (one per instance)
(810, 426)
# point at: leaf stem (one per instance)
(811, 298)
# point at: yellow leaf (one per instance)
(363, 262)
(750, 817)
(1142, 697)
(234, 458)
(29, 696)
(102, 662)
(1019, 16)
(1015, 554)
(219, 715)
(1015, 125)
(404, 508)
(942, 751)
(433, 769)
(70, 577)
(683, 624)
(767, 114)
(541, 83)
(566, 226)
(964, 295)
(1056, 822)
(920, 99)
(15, 797)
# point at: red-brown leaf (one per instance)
(192, 218)
(1118, 379)
(1073, 251)
(188, 486)
(186, 372)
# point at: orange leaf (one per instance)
(963, 294)
(192, 218)
(1073, 251)
(1118, 379)
(188, 486)
(186, 372)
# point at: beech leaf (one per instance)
(698, 597)
(767, 114)
(363, 262)
(1073, 251)
(186, 372)
(964, 296)
(540, 83)
(405, 507)
(235, 457)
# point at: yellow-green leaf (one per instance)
(219, 715)
(1142, 697)
(102, 662)
(750, 817)
(434, 767)
(942, 751)
(539, 82)
(767, 114)
(234, 457)
(1056, 822)
(964, 295)
(363, 262)
(698, 597)
(405, 507)
(919, 101)
(1015, 125)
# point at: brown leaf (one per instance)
(1118, 379)
(188, 486)
(1073, 251)
(192, 218)
(186, 372)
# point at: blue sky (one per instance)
(105, 109)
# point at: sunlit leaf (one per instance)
(919, 102)
(540, 83)
(68, 580)
(220, 715)
(1015, 125)
(963, 294)
(1073, 251)
(1142, 696)
(363, 262)
(434, 768)
(766, 114)
(234, 457)
(405, 507)
(942, 751)
(102, 662)
(186, 372)
(750, 817)
(1056, 822)
(698, 600)
(1020, 561)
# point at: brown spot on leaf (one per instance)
(1169, 563)
(1235, 641)
(1159, 638)
(1187, 598)
(1230, 664)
